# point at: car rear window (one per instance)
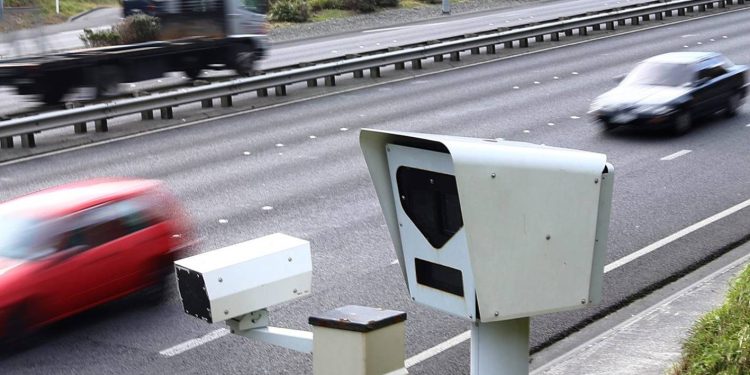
(660, 74)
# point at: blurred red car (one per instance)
(72, 247)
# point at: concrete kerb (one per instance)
(79, 15)
(625, 328)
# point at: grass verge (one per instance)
(21, 14)
(719, 342)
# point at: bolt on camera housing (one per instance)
(493, 230)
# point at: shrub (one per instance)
(133, 29)
(389, 3)
(363, 6)
(316, 5)
(289, 11)
(138, 28)
(100, 38)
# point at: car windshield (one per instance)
(659, 74)
(19, 238)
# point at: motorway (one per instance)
(66, 37)
(296, 168)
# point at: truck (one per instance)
(194, 35)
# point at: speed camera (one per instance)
(243, 278)
(493, 230)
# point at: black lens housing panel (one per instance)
(430, 199)
(433, 275)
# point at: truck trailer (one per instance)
(194, 35)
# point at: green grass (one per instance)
(47, 13)
(412, 4)
(329, 14)
(719, 343)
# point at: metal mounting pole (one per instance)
(255, 326)
(500, 348)
(446, 6)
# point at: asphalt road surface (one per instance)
(297, 168)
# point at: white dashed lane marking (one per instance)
(676, 155)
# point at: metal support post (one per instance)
(524, 43)
(166, 113)
(255, 326)
(207, 103)
(416, 64)
(6, 142)
(350, 340)
(375, 72)
(147, 115)
(280, 90)
(27, 140)
(262, 93)
(446, 7)
(80, 128)
(226, 101)
(500, 348)
(330, 81)
(101, 126)
(358, 340)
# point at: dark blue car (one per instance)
(670, 91)
(131, 7)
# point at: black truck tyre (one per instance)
(53, 94)
(244, 63)
(107, 81)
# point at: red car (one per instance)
(72, 247)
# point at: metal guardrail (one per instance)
(26, 127)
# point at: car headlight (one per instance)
(656, 110)
(596, 106)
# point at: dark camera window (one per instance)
(430, 199)
(440, 277)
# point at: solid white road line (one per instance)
(437, 349)
(676, 155)
(629, 258)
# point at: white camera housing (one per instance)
(493, 230)
(245, 277)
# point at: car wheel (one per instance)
(158, 291)
(734, 102)
(15, 330)
(608, 126)
(682, 123)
